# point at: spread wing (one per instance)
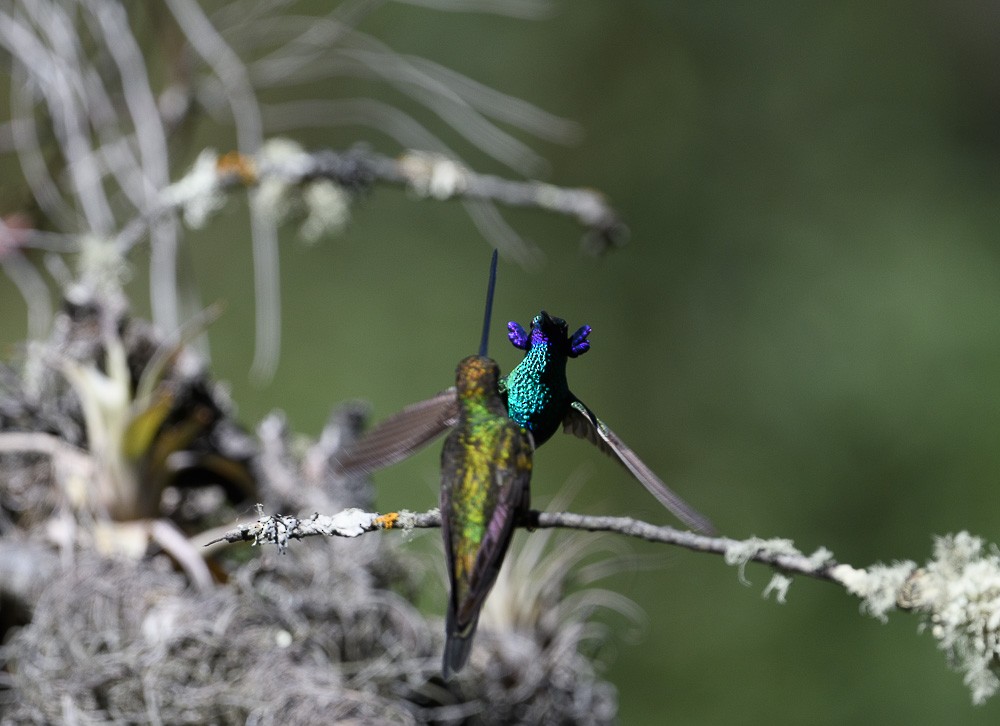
(581, 421)
(401, 435)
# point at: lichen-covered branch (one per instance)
(104, 99)
(956, 592)
(778, 553)
(321, 184)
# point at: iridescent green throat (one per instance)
(536, 392)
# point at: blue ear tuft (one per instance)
(578, 343)
(518, 336)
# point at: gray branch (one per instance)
(440, 177)
(957, 592)
(358, 171)
(777, 553)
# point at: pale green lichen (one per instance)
(407, 519)
(778, 586)
(322, 204)
(433, 175)
(878, 586)
(742, 552)
(275, 196)
(198, 193)
(820, 557)
(352, 522)
(959, 592)
(328, 209)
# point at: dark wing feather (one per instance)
(509, 500)
(512, 501)
(581, 421)
(458, 639)
(401, 435)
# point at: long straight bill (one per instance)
(484, 342)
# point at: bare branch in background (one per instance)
(96, 140)
(429, 176)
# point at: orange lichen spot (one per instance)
(387, 521)
(238, 165)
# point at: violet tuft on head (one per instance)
(517, 335)
(547, 330)
(578, 343)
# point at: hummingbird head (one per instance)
(476, 376)
(550, 331)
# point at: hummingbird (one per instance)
(537, 396)
(485, 473)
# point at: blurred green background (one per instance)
(802, 336)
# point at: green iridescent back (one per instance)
(486, 467)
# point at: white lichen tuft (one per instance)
(433, 175)
(276, 195)
(322, 204)
(820, 557)
(352, 522)
(878, 587)
(959, 593)
(283, 157)
(198, 193)
(740, 553)
(778, 585)
(407, 519)
(328, 209)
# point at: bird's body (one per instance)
(535, 395)
(485, 474)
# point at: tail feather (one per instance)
(456, 653)
(457, 647)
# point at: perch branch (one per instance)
(778, 553)
(956, 593)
